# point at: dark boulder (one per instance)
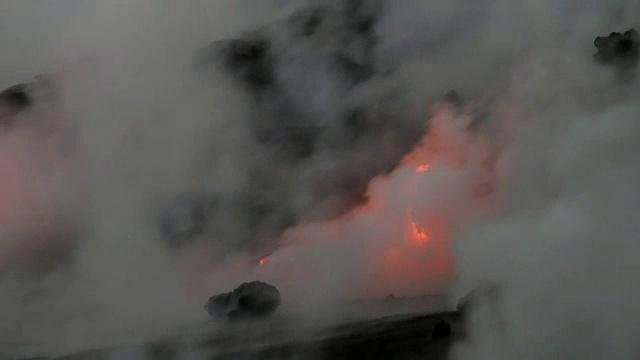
(254, 299)
(16, 96)
(441, 330)
(621, 50)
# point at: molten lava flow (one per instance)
(398, 241)
(423, 261)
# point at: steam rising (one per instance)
(564, 229)
(531, 184)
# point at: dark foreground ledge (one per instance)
(412, 337)
(415, 336)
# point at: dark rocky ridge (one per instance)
(413, 336)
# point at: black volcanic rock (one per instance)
(394, 337)
(16, 96)
(441, 330)
(13, 100)
(621, 50)
(250, 300)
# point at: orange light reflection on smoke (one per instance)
(419, 236)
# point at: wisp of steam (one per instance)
(329, 163)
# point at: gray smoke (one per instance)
(317, 134)
(335, 98)
(156, 118)
(564, 230)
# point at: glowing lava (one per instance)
(398, 241)
(419, 236)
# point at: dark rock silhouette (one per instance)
(16, 96)
(441, 330)
(621, 50)
(255, 299)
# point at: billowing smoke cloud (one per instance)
(565, 228)
(154, 121)
(262, 151)
(145, 128)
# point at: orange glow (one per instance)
(406, 270)
(396, 250)
(419, 236)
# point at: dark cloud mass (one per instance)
(317, 139)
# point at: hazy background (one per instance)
(557, 236)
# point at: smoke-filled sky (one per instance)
(134, 118)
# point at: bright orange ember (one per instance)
(263, 260)
(423, 168)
